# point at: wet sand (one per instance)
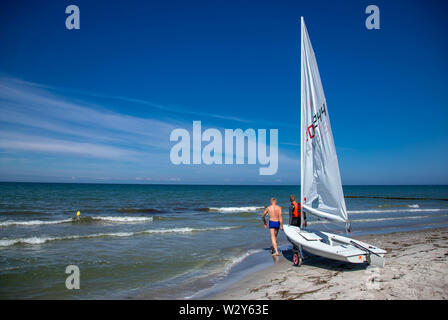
(416, 268)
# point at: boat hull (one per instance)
(335, 247)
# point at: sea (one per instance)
(168, 241)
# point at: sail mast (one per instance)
(301, 122)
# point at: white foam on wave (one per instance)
(41, 240)
(97, 218)
(236, 209)
(382, 219)
(239, 259)
(31, 222)
(185, 230)
(395, 218)
(124, 219)
(394, 210)
(32, 240)
(413, 206)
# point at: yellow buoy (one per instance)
(78, 213)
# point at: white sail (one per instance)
(321, 186)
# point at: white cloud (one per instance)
(37, 120)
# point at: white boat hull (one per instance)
(333, 246)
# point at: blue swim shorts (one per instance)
(274, 224)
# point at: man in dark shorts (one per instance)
(275, 222)
(295, 211)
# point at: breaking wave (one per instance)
(139, 210)
(411, 209)
(231, 209)
(395, 205)
(74, 220)
(235, 260)
(396, 218)
(32, 222)
(41, 240)
(382, 219)
(124, 219)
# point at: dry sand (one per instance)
(416, 268)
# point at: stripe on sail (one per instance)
(322, 214)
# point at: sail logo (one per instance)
(317, 117)
(219, 150)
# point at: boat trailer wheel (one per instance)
(297, 257)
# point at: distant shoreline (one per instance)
(225, 185)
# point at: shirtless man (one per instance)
(275, 222)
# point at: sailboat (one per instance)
(321, 186)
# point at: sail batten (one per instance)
(321, 185)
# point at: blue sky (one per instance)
(98, 104)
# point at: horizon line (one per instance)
(211, 184)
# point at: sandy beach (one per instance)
(416, 268)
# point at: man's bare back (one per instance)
(274, 212)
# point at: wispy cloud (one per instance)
(151, 104)
(49, 123)
(60, 137)
(31, 143)
(170, 108)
